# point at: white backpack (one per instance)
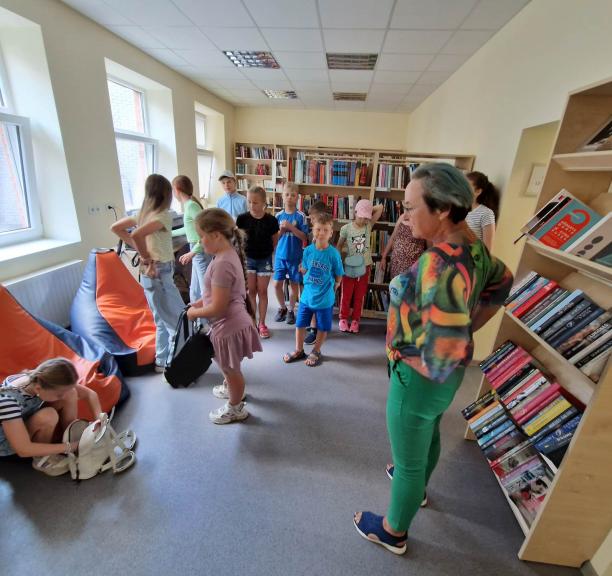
(100, 448)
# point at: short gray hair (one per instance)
(445, 188)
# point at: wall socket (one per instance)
(94, 210)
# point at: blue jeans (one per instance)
(199, 264)
(166, 305)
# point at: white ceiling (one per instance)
(420, 44)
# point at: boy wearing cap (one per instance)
(356, 235)
(232, 201)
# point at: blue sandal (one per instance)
(390, 469)
(370, 526)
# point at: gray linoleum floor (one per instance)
(272, 496)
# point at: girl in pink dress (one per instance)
(225, 305)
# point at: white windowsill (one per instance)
(8, 253)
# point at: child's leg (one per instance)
(42, 424)
(67, 409)
(235, 385)
(252, 290)
(348, 287)
(262, 293)
(361, 288)
(294, 295)
(300, 333)
(321, 337)
(280, 293)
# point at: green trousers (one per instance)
(414, 409)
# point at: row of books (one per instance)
(281, 171)
(392, 209)
(568, 320)
(259, 169)
(394, 175)
(243, 184)
(565, 223)
(340, 207)
(258, 152)
(378, 241)
(376, 300)
(334, 172)
(378, 274)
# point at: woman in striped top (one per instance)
(485, 208)
(452, 290)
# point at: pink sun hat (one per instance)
(363, 209)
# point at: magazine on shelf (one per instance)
(596, 244)
(529, 489)
(595, 367)
(601, 140)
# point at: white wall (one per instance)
(321, 128)
(519, 79)
(75, 49)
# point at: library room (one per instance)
(306, 287)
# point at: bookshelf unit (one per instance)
(332, 172)
(576, 514)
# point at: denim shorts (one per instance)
(324, 317)
(260, 266)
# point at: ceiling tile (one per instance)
(167, 56)
(150, 12)
(264, 73)
(396, 77)
(307, 74)
(493, 14)
(268, 79)
(435, 78)
(359, 76)
(355, 13)
(350, 86)
(284, 13)
(296, 39)
(353, 40)
(420, 91)
(444, 62)
(203, 59)
(236, 84)
(409, 62)
(301, 59)
(311, 85)
(217, 73)
(467, 41)
(99, 11)
(214, 13)
(431, 15)
(252, 95)
(416, 41)
(137, 36)
(236, 38)
(382, 90)
(181, 37)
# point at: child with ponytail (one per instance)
(36, 406)
(151, 234)
(485, 208)
(182, 187)
(226, 306)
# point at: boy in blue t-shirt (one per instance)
(322, 269)
(292, 236)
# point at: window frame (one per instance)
(208, 154)
(199, 115)
(131, 135)
(35, 231)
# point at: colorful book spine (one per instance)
(553, 410)
(559, 438)
(558, 309)
(535, 299)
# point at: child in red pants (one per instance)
(356, 236)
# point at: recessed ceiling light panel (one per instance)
(350, 96)
(281, 94)
(242, 59)
(351, 61)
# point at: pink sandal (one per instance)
(263, 331)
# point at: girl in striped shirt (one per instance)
(485, 208)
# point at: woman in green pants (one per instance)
(451, 291)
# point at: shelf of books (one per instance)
(542, 416)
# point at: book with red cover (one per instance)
(515, 356)
(522, 413)
(527, 294)
(533, 383)
(537, 297)
(512, 370)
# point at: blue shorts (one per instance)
(287, 268)
(260, 266)
(324, 317)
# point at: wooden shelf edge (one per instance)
(585, 161)
(579, 385)
(596, 271)
(517, 514)
(374, 314)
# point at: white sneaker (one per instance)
(222, 391)
(159, 368)
(228, 413)
(52, 465)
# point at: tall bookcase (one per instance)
(576, 514)
(335, 173)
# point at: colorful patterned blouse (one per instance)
(431, 305)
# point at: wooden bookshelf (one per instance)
(325, 155)
(576, 514)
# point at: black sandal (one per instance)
(314, 359)
(294, 356)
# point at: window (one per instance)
(136, 151)
(205, 157)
